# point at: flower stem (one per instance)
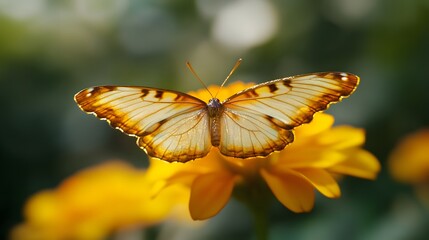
(260, 222)
(255, 195)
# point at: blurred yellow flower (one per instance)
(98, 201)
(409, 161)
(319, 152)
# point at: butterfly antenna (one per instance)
(229, 75)
(188, 64)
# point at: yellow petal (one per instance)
(159, 169)
(209, 194)
(360, 163)
(292, 190)
(223, 93)
(320, 123)
(43, 207)
(322, 181)
(310, 156)
(184, 178)
(342, 137)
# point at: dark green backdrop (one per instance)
(49, 50)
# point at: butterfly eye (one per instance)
(214, 103)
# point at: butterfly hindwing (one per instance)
(180, 138)
(269, 111)
(246, 134)
(169, 125)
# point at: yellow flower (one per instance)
(409, 162)
(319, 152)
(98, 201)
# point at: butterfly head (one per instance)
(215, 107)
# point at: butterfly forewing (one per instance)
(261, 116)
(169, 125)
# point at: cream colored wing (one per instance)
(258, 120)
(169, 125)
(245, 135)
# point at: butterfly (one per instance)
(174, 126)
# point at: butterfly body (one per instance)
(255, 122)
(215, 110)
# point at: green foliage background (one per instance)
(49, 50)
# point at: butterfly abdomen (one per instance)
(215, 131)
(215, 110)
